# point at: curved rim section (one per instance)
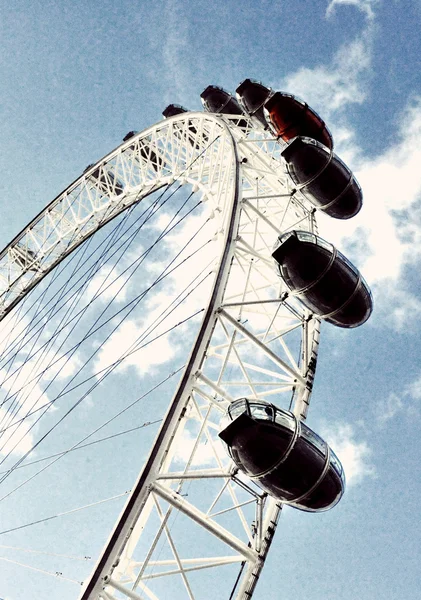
(184, 148)
(147, 478)
(242, 176)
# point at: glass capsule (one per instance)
(145, 152)
(323, 178)
(283, 456)
(252, 95)
(173, 109)
(217, 100)
(290, 117)
(106, 181)
(323, 279)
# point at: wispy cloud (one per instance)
(385, 237)
(331, 88)
(365, 6)
(389, 407)
(354, 454)
(107, 285)
(174, 49)
(122, 343)
(406, 403)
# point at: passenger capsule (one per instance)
(217, 100)
(327, 182)
(173, 109)
(145, 151)
(176, 109)
(283, 456)
(106, 180)
(291, 117)
(129, 135)
(252, 95)
(25, 258)
(323, 279)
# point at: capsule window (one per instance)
(237, 408)
(355, 311)
(329, 185)
(285, 420)
(323, 178)
(261, 411)
(313, 438)
(326, 245)
(305, 159)
(306, 236)
(336, 463)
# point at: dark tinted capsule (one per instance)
(327, 182)
(145, 151)
(106, 181)
(291, 117)
(252, 95)
(323, 279)
(176, 109)
(173, 109)
(129, 135)
(217, 100)
(25, 258)
(284, 457)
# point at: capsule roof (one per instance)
(283, 456)
(106, 181)
(323, 178)
(215, 99)
(323, 279)
(252, 95)
(173, 109)
(129, 135)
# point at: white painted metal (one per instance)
(190, 506)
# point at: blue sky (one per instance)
(75, 78)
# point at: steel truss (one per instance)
(191, 513)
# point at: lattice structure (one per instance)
(194, 527)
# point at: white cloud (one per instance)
(17, 440)
(23, 382)
(414, 389)
(389, 408)
(396, 307)
(15, 424)
(406, 403)
(204, 455)
(354, 454)
(385, 237)
(108, 284)
(64, 366)
(11, 328)
(365, 6)
(345, 81)
(153, 355)
(162, 305)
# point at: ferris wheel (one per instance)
(236, 278)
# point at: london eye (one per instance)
(186, 268)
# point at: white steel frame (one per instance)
(255, 340)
